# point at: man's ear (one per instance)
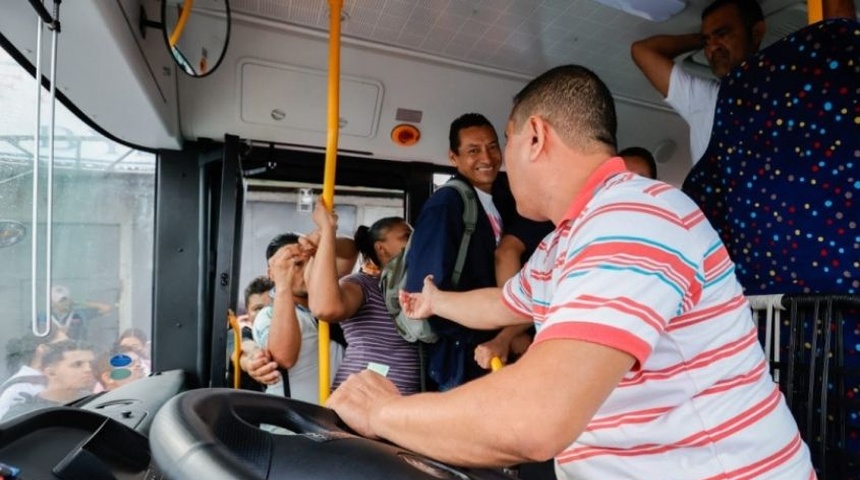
(452, 157)
(538, 130)
(758, 31)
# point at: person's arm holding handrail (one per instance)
(346, 254)
(508, 262)
(655, 56)
(330, 300)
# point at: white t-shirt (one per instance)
(19, 392)
(695, 99)
(304, 376)
(492, 213)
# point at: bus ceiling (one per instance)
(412, 62)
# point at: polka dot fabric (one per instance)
(779, 179)
(780, 182)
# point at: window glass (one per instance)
(101, 237)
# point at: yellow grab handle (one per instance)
(495, 364)
(237, 346)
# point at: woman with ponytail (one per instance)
(356, 301)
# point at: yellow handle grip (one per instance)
(237, 346)
(495, 364)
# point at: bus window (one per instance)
(101, 237)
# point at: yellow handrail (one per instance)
(330, 165)
(495, 364)
(237, 347)
(180, 24)
(814, 11)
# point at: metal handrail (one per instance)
(34, 224)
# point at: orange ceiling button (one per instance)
(405, 135)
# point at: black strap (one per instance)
(285, 379)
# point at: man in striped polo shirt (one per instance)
(646, 362)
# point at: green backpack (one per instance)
(393, 276)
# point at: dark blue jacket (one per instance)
(435, 243)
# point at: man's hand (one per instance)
(419, 305)
(260, 367)
(359, 397)
(323, 219)
(500, 346)
(283, 263)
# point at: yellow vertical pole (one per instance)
(237, 347)
(333, 126)
(814, 11)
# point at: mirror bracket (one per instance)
(145, 23)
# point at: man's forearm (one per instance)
(459, 436)
(670, 46)
(285, 338)
(655, 56)
(480, 309)
(485, 422)
(509, 333)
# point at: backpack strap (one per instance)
(470, 221)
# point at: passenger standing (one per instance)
(68, 369)
(256, 299)
(286, 332)
(731, 31)
(356, 302)
(71, 319)
(474, 150)
(24, 358)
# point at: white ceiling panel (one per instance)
(521, 36)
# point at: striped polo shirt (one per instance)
(635, 266)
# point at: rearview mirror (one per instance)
(196, 33)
